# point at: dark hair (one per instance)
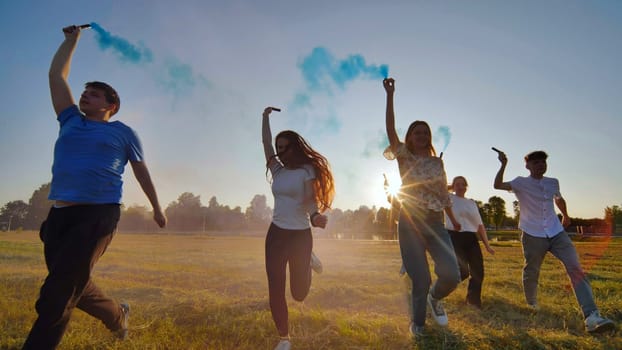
(536, 155)
(302, 153)
(410, 130)
(109, 93)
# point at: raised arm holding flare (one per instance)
(302, 185)
(421, 230)
(543, 232)
(90, 155)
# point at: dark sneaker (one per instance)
(121, 333)
(595, 323)
(438, 313)
(416, 331)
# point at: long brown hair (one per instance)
(323, 184)
(410, 130)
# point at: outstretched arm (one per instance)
(144, 179)
(266, 136)
(389, 86)
(499, 184)
(59, 70)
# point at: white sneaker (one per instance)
(284, 344)
(438, 313)
(595, 323)
(316, 264)
(121, 333)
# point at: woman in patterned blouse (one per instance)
(424, 198)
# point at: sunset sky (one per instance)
(516, 75)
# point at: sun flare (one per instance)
(391, 188)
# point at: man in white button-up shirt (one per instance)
(543, 232)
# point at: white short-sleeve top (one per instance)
(292, 205)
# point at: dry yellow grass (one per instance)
(200, 292)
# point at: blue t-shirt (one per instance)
(89, 158)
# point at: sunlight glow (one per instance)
(390, 187)
(393, 188)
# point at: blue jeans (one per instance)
(420, 231)
(560, 245)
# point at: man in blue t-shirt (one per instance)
(90, 155)
(543, 232)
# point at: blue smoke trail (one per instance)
(321, 66)
(174, 76)
(123, 48)
(180, 78)
(445, 135)
(375, 144)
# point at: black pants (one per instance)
(471, 263)
(283, 247)
(74, 238)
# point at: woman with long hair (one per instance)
(303, 188)
(424, 197)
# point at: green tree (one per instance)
(613, 218)
(186, 213)
(258, 214)
(497, 210)
(13, 214)
(136, 218)
(222, 217)
(336, 223)
(385, 225)
(483, 212)
(363, 222)
(38, 207)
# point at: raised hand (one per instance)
(389, 85)
(268, 110)
(319, 221)
(72, 32)
(502, 157)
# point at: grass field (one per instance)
(200, 292)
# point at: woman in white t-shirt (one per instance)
(465, 241)
(303, 188)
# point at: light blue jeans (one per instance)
(560, 245)
(420, 231)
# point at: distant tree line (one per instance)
(189, 214)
